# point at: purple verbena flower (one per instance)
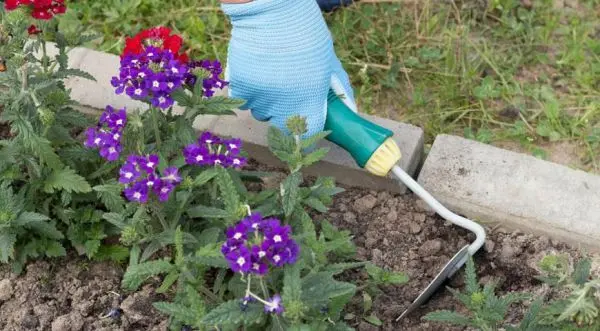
(239, 260)
(151, 76)
(140, 174)
(209, 72)
(106, 135)
(275, 305)
(266, 241)
(212, 150)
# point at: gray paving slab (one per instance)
(519, 191)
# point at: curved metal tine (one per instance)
(449, 269)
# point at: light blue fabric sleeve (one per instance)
(281, 60)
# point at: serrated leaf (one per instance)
(205, 176)
(315, 156)
(66, 73)
(138, 273)
(169, 280)
(210, 255)
(91, 247)
(7, 246)
(66, 179)
(289, 192)
(45, 229)
(450, 317)
(115, 219)
(110, 195)
(337, 268)
(279, 142)
(292, 285)
(115, 253)
(175, 310)
(318, 288)
(230, 314)
(310, 141)
(27, 217)
(200, 211)
(55, 249)
(229, 193)
(315, 204)
(208, 236)
(582, 271)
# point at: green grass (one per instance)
(526, 79)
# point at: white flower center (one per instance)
(116, 136)
(255, 226)
(128, 175)
(119, 122)
(175, 70)
(164, 190)
(241, 261)
(261, 254)
(162, 99)
(237, 236)
(236, 161)
(150, 54)
(199, 158)
(217, 161)
(137, 195)
(142, 74)
(276, 258)
(150, 183)
(150, 164)
(170, 85)
(97, 141)
(255, 266)
(277, 238)
(138, 91)
(112, 150)
(232, 146)
(155, 84)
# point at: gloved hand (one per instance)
(330, 5)
(281, 60)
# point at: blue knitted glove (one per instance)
(281, 61)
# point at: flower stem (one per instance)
(154, 112)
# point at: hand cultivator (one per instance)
(373, 149)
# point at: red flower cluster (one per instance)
(41, 9)
(158, 37)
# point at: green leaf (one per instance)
(169, 280)
(315, 156)
(316, 204)
(228, 191)
(367, 302)
(200, 211)
(289, 192)
(110, 195)
(7, 245)
(55, 249)
(65, 73)
(66, 179)
(175, 310)
(230, 314)
(310, 141)
(27, 217)
(205, 176)
(582, 271)
(115, 253)
(138, 273)
(208, 236)
(318, 288)
(471, 284)
(292, 285)
(115, 219)
(210, 255)
(280, 142)
(91, 247)
(450, 317)
(337, 268)
(45, 229)
(374, 320)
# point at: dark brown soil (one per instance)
(392, 231)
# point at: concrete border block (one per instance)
(519, 191)
(337, 163)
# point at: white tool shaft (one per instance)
(443, 211)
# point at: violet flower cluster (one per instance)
(140, 176)
(151, 75)
(212, 150)
(209, 72)
(254, 244)
(106, 135)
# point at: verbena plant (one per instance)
(575, 307)
(142, 185)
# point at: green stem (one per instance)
(44, 55)
(154, 112)
(181, 207)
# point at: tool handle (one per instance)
(360, 137)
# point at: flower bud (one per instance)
(201, 73)
(297, 125)
(46, 116)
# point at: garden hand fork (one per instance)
(373, 149)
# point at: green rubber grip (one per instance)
(358, 136)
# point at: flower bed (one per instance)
(196, 235)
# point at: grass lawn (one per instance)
(520, 74)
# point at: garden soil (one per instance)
(395, 232)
